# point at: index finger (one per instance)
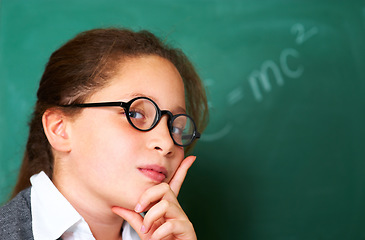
(133, 218)
(180, 174)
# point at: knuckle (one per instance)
(165, 187)
(165, 204)
(169, 226)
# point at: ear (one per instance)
(55, 127)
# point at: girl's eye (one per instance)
(137, 115)
(177, 131)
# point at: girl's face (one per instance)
(111, 162)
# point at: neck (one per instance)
(103, 223)
(108, 229)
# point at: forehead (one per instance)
(151, 76)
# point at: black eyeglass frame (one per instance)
(160, 113)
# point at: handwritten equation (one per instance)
(259, 79)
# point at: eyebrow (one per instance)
(177, 109)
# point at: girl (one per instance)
(116, 111)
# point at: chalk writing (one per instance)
(235, 96)
(218, 134)
(284, 63)
(259, 79)
(262, 76)
(302, 34)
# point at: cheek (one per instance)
(179, 157)
(102, 142)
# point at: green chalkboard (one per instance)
(283, 157)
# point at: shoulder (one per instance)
(16, 218)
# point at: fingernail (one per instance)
(143, 229)
(138, 208)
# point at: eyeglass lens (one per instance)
(143, 114)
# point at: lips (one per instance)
(154, 172)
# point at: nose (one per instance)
(160, 138)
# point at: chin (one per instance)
(130, 205)
(127, 201)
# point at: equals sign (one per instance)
(235, 96)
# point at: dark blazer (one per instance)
(16, 218)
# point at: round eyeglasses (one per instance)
(144, 114)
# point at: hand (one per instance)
(165, 218)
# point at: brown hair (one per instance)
(81, 67)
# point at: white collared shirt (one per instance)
(54, 217)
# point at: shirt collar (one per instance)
(53, 216)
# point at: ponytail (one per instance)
(38, 155)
